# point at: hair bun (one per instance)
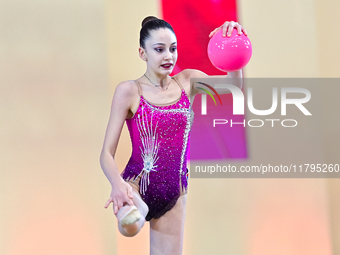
(147, 19)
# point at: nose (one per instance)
(168, 55)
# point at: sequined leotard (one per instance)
(159, 136)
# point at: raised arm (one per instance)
(234, 78)
(121, 191)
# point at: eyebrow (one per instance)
(163, 43)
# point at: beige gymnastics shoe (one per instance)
(128, 214)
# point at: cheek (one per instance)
(154, 58)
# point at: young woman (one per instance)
(157, 111)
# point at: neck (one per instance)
(159, 79)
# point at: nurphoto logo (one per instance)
(239, 102)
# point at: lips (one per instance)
(167, 65)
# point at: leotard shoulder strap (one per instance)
(139, 88)
(178, 82)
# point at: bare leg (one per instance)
(166, 232)
(133, 229)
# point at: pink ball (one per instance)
(229, 54)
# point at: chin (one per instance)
(168, 71)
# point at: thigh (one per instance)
(166, 232)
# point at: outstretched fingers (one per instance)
(115, 207)
(214, 31)
(244, 31)
(120, 199)
(108, 202)
(227, 29)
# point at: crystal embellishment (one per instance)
(149, 151)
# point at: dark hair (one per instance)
(149, 24)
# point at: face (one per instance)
(160, 49)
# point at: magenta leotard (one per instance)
(159, 136)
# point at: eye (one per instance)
(173, 49)
(159, 50)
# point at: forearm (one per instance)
(110, 168)
(235, 74)
(237, 77)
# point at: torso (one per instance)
(159, 136)
(168, 97)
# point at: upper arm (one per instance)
(233, 78)
(120, 106)
(193, 73)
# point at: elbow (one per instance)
(241, 84)
(102, 157)
(239, 77)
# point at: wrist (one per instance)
(117, 179)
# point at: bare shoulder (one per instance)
(191, 73)
(184, 77)
(120, 108)
(125, 95)
(126, 88)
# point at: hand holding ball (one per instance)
(229, 54)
